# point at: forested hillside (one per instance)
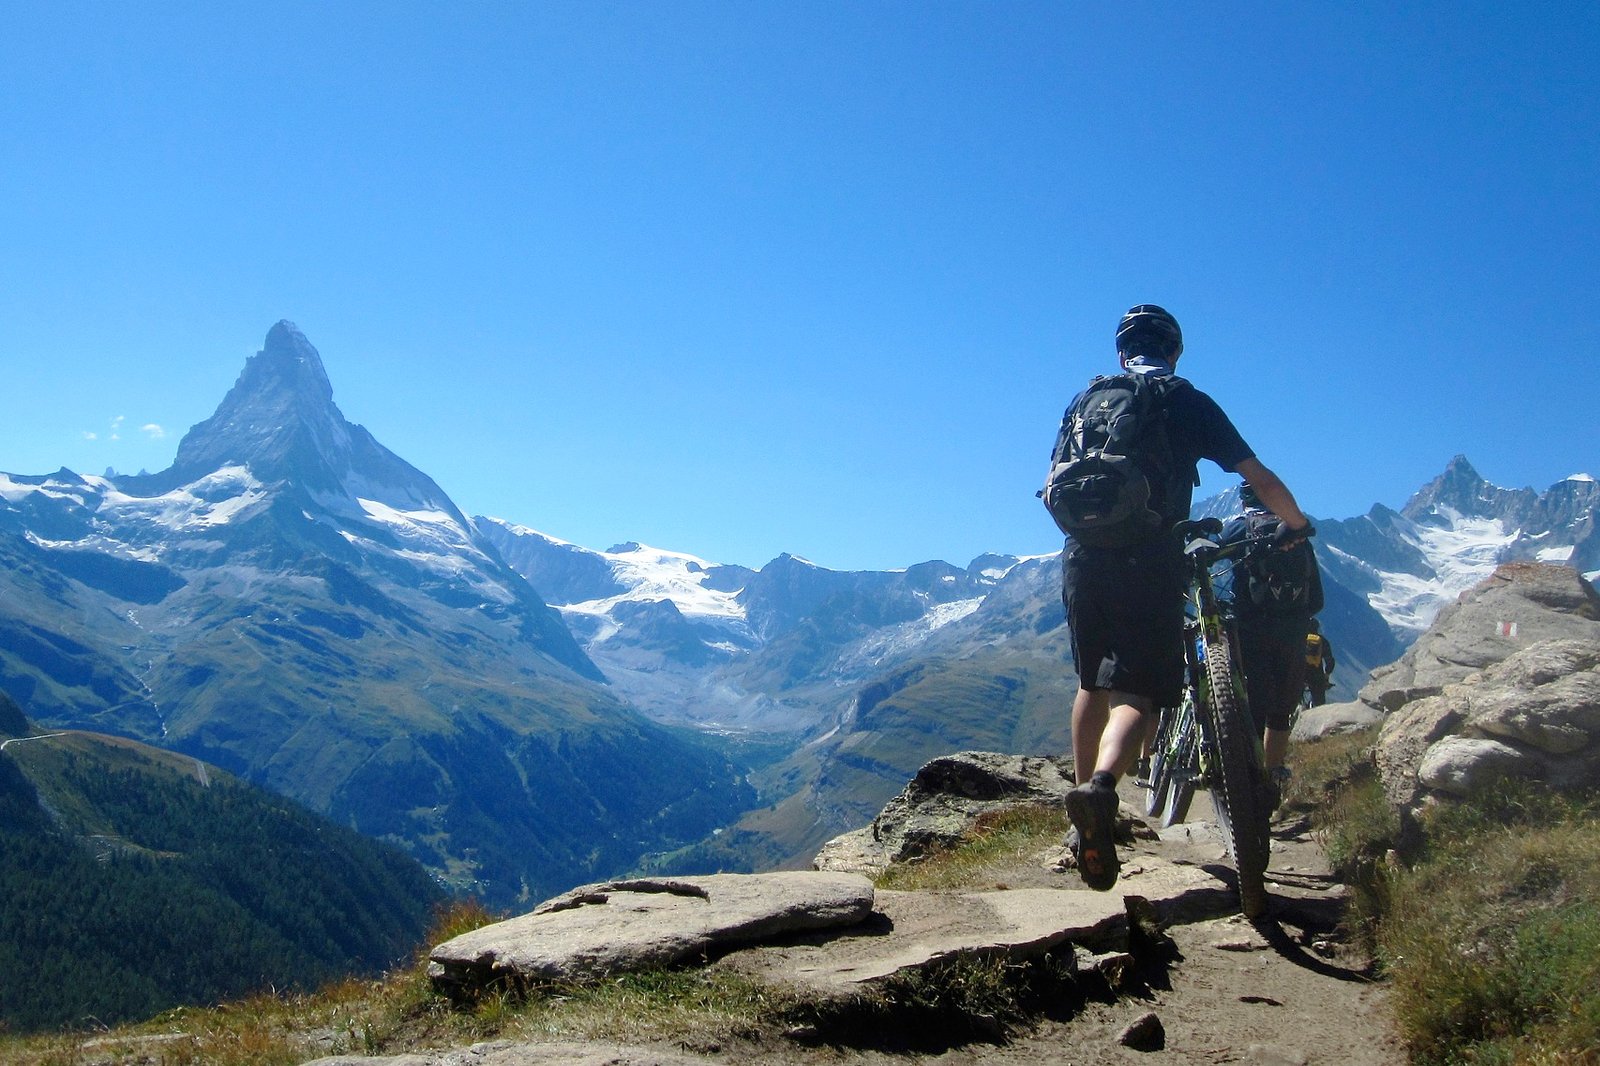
(132, 880)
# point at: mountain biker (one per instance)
(1319, 664)
(1125, 604)
(1274, 595)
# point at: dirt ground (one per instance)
(1289, 989)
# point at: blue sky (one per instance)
(745, 278)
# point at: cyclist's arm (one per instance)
(1272, 492)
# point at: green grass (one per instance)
(1489, 929)
(998, 840)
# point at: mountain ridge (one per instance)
(294, 603)
(871, 670)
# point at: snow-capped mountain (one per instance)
(725, 647)
(884, 670)
(1451, 535)
(295, 603)
(843, 682)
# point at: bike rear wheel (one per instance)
(1160, 764)
(1237, 778)
(1180, 791)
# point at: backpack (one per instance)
(1112, 467)
(1274, 584)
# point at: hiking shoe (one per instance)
(1093, 810)
(1141, 772)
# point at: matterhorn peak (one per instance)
(280, 422)
(278, 418)
(291, 361)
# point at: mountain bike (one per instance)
(1210, 740)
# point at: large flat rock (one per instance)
(915, 930)
(507, 1053)
(631, 925)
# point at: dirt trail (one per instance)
(1289, 989)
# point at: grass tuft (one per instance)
(998, 839)
(1492, 939)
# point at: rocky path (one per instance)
(1286, 990)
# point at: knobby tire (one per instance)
(1236, 791)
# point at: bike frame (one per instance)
(1209, 741)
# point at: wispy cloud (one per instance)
(113, 430)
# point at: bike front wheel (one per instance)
(1236, 778)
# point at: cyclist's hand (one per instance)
(1286, 537)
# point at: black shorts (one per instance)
(1125, 609)
(1274, 673)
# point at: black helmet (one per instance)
(1147, 326)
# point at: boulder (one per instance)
(1333, 718)
(1461, 766)
(1407, 735)
(1546, 698)
(1520, 604)
(1536, 714)
(619, 926)
(941, 804)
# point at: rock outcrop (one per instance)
(1535, 715)
(940, 805)
(1518, 605)
(1333, 718)
(1505, 684)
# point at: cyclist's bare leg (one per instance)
(1108, 731)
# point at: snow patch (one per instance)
(651, 574)
(1463, 551)
(898, 640)
(214, 500)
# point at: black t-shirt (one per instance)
(1199, 429)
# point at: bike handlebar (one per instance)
(1199, 537)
